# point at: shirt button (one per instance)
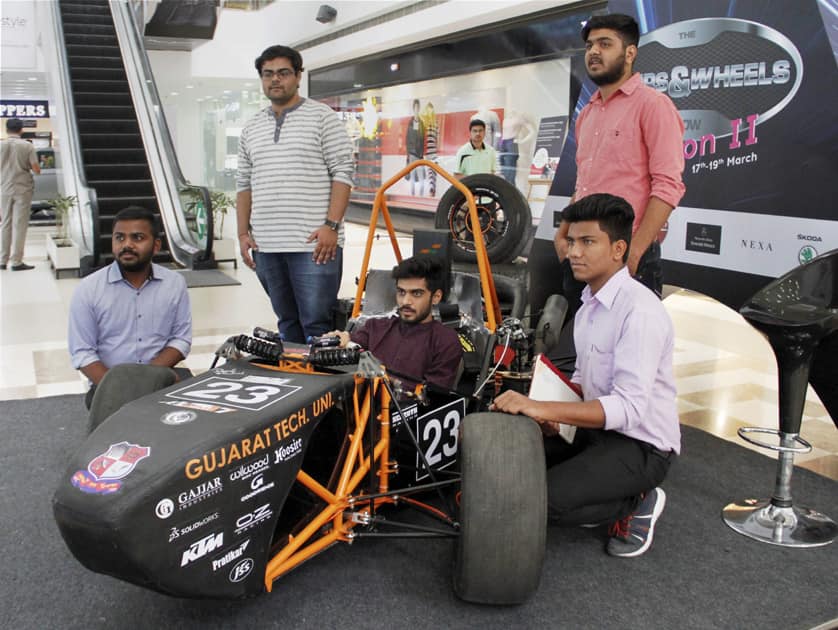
(138, 316)
(140, 339)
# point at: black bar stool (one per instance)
(795, 312)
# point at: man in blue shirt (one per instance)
(132, 311)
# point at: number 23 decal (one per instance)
(241, 394)
(438, 433)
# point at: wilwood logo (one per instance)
(246, 471)
(202, 547)
(727, 69)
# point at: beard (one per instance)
(140, 263)
(609, 74)
(416, 317)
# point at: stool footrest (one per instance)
(804, 448)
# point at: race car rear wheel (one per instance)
(503, 509)
(503, 214)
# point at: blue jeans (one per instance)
(302, 293)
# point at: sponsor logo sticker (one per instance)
(177, 532)
(202, 547)
(806, 253)
(288, 451)
(197, 405)
(104, 471)
(229, 556)
(174, 418)
(241, 570)
(257, 486)
(165, 508)
(704, 238)
(200, 492)
(246, 471)
(252, 519)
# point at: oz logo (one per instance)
(164, 508)
(241, 570)
(806, 253)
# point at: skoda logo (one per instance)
(806, 253)
(721, 70)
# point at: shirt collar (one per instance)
(115, 275)
(608, 292)
(627, 88)
(273, 115)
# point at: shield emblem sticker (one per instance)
(118, 461)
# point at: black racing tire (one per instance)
(495, 197)
(124, 383)
(503, 509)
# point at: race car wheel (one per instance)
(503, 509)
(503, 214)
(124, 383)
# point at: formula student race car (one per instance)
(219, 485)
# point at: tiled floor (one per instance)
(725, 370)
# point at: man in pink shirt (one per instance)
(628, 431)
(629, 143)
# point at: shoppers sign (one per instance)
(24, 109)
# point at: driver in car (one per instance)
(412, 345)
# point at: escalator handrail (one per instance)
(85, 195)
(169, 179)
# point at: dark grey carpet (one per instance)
(698, 574)
(207, 278)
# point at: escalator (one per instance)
(120, 126)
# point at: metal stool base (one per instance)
(794, 526)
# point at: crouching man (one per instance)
(628, 433)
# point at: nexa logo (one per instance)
(721, 69)
(202, 547)
(762, 246)
(809, 237)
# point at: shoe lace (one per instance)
(621, 528)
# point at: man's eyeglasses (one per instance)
(282, 73)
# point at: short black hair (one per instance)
(138, 213)
(15, 125)
(614, 215)
(625, 25)
(476, 122)
(275, 52)
(427, 267)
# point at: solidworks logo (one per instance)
(202, 547)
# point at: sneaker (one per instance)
(3, 267)
(632, 536)
(22, 267)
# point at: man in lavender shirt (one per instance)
(628, 432)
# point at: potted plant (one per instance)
(62, 252)
(224, 249)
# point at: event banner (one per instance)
(756, 86)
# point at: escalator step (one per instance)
(111, 141)
(94, 61)
(117, 171)
(92, 50)
(85, 8)
(92, 39)
(118, 125)
(101, 98)
(117, 156)
(98, 73)
(88, 28)
(100, 86)
(105, 112)
(76, 22)
(122, 187)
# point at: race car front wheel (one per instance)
(503, 509)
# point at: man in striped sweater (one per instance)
(294, 176)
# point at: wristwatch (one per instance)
(332, 224)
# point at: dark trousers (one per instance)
(600, 477)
